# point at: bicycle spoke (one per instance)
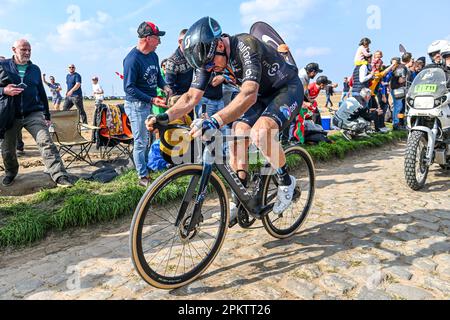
(209, 248)
(157, 232)
(168, 258)
(160, 244)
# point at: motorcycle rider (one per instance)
(434, 51)
(445, 54)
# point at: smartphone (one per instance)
(21, 86)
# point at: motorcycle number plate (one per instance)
(426, 88)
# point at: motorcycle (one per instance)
(428, 122)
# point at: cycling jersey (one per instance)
(253, 60)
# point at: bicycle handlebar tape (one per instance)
(162, 119)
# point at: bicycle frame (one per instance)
(251, 203)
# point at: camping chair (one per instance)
(66, 133)
(114, 136)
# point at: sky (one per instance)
(96, 35)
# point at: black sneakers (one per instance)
(144, 182)
(64, 182)
(8, 181)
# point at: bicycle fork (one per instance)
(196, 218)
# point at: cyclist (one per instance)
(270, 97)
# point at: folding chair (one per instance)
(114, 138)
(66, 131)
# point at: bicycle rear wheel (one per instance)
(162, 253)
(301, 166)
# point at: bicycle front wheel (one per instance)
(164, 255)
(300, 166)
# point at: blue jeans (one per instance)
(397, 109)
(138, 112)
(344, 95)
(213, 107)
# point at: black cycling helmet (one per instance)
(313, 67)
(323, 80)
(200, 42)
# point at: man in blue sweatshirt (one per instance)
(22, 91)
(142, 76)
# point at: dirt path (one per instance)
(369, 237)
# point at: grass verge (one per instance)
(24, 221)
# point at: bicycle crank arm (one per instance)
(264, 211)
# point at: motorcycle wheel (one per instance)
(416, 169)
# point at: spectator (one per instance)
(329, 92)
(55, 89)
(346, 89)
(310, 109)
(353, 117)
(74, 94)
(378, 55)
(379, 107)
(309, 73)
(20, 143)
(418, 67)
(178, 71)
(363, 52)
(31, 113)
(97, 91)
(362, 75)
(160, 94)
(284, 50)
(163, 67)
(142, 76)
(398, 85)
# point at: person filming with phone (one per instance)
(24, 104)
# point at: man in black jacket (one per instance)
(20, 143)
(21, 86)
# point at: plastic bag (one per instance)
(155, 160)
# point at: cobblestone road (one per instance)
(369, 237)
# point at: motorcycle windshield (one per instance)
(429, 83)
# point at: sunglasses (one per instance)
(71, 67)
(210, 65)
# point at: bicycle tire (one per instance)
(292, 228)
(143, 210)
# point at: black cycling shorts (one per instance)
(283, 106)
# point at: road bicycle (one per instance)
(181, 222)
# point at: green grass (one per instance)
(26, 220)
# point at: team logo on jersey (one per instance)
(286, 111)
(187, 42)
(274, 68)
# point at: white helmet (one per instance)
(436, 47)
(445, 51)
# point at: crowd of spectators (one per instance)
(152, 87)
